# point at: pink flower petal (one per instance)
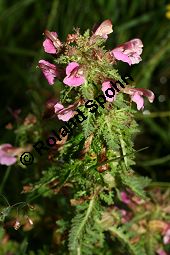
(58, 107)
(63, 113)
(71, 66)
(161, 252)
(147, 93)
(104, 29)
(49, 47)
(125, 198)
(48, 43)
(74, 82)
(166, 238)
(8, 160)
(5, 146)
(121, 56)
(135, 59)
(138, 99)
(73, 78)
(49, 70)
(136, 96)
(5, 157)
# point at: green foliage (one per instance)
(124, 238)
(107, 197)
(12, 246)
(88, 125)
(151, 243)
(85, 232)
(137, 184)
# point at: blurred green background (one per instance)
(22, 24)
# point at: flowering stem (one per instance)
(123, 238)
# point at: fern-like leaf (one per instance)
(136, 184)
(124, 238)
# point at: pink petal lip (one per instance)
(121, 56)
(138, 100)
(125, 198)
(8, 160)
(73, 78)
(71, 66)
(74, 82)
(49, 47)
(161, 252)
(5, 157)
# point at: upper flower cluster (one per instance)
(87, 62)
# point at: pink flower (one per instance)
(104, 29)
(108, 91)
(51, 44)
(161, 252)
(64, 113)
(74, 76)
(125, 198)
(49, 70)
(6, 156)
(129, 52)
(166, 238)
(136, 96)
